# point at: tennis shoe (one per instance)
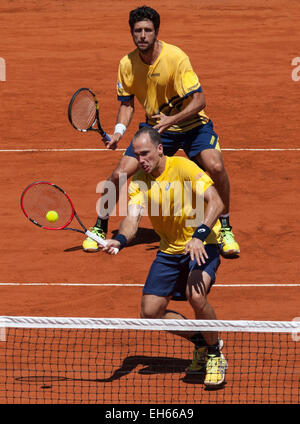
(200, 356)
(215, 370)
(198, 363)
(89, 245)
(229, 245)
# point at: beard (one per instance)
(147, 47)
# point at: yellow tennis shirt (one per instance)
(174, 202)
(165, 86)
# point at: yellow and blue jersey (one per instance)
(165, 86)
(173, 202)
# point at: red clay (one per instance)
(242, 54)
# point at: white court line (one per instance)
(263, 149)
(296, 149)
(141, 285)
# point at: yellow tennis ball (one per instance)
(52, 216)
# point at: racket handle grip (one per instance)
(106, 137)
(99, 240)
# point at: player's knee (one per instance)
(197, 300)
(215, 168)
(149, 313)
(151, 310)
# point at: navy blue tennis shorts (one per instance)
(168, 274)
(192, 142)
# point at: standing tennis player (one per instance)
(188, 258)
(161, 77)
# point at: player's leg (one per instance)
(204, 149)
(212, 162)
(198, 286)
(154, 307)
(207, 353)
(127, 166)
(161, 286)
(207, 356)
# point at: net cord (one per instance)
(150, 324)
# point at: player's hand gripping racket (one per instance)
(48, 206)
(83, 112)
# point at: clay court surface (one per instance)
(242, 53)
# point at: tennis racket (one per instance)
(83, 112)
(41, 197)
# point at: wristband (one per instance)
(202, 232)
(121, 239)
(120, 128)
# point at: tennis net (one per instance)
(141, 361)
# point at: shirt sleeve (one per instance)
(186, 80)
(200, 181)
(123, 92)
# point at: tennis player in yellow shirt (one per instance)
(183, 207)
(162, 79)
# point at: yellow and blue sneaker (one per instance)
(89, 245)
(215, 370)
(200, 356)
(229, 245)
(198, 363)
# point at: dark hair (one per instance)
(153, 135)
(142, 13)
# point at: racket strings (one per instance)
(83, 112)
(41, 198)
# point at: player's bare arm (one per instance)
(195, 106)
(128, 228)
(213, 210)
(125, 114)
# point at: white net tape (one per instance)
(151, 324)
